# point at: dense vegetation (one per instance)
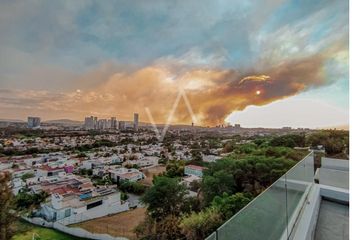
(132, 187)
(7, 205)
(25, 200)
(227, 184)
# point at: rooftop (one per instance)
(333, 221)
(195, 167)
(295, 207)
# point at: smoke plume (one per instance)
(213, 93)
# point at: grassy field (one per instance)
(26, 231)
(150, 172)
(118, 225)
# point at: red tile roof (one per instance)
(49, 168)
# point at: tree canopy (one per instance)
(164, 198)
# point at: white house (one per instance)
(145, 161)
(73, 208)
(121, 174)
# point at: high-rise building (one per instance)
(100, 124)
(113, 123)
(121, 125)
(136, 121)
(103, 124)
(90, 123)
(95, 123)
(33, 122)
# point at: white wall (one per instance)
(78, 232)
(336, 164)
(96, 212)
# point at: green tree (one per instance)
(289, 140)
(333, 146)
(335, 142)
(175, 169)
(123, 196)
(198, 226)
(7, 217)
(27, 201)
(195, 185)
(250, 173)
(27, 176)
(132, 187)
(164, 198)
(230, 205)
(217, 183)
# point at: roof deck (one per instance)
(294, 207)
(333, 221)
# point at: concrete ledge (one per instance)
(306, 225)
(334, 193)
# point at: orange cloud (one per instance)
(213, 93)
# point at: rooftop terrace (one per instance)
(295, 207)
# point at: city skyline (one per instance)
(284, 67)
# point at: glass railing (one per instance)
(272, 214)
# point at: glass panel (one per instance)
(212, 236)
(273, 213)
(264, 218)
(299, 180)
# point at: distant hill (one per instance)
(12, 120)
(338, 127)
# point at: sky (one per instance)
(257, 63)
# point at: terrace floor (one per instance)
(333, 221)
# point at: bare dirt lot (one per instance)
(150, 172)
(118, 225)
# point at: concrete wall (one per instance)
(96, 212)
(78, 232)
(336, 164)
(334, 178)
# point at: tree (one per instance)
(123, 196)
(164, 198)
(7, 217)
(27, 201)
(169, 228)
(197, 158)
(289, 140)
(229, 147)
(335, 142)
(251, 173)
(195, 185)
(27, 176)
(230, 205)
(333, 146)
(216, 184)
(198, 226)
(175, 169)
(132, 187)
(165, 202)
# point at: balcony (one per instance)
(294, 207)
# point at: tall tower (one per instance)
(113, 123)
(136, 121)
(33, 122)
